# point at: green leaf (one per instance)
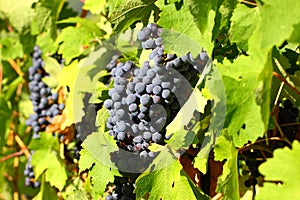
(169, 182)
(77, 194)
(43, 21)
(75, 41)
(46, 159)
(278, 19)
(184, 135)
(243, 18)
(46, 192)
(127, 12)
(285, 167)
(95, 156)
(94, 6)
(46, 43)
(53, 68)
(228, 182)
(19, 13)
(244, 89)
(10, 46)
(102, 116)
(182, 36)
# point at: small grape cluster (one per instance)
(253, 164)
(288, 114)
(45, 104)
(29, 176)
(123, 190)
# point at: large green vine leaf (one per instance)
(168, 182)
(285, 167)
(128, 12)
(243, 18)
(75, 41)
(228, 181)
(95, 6)
(95, 156)
(278, 19)
(19, 13)
(46, 159)
(183, 35)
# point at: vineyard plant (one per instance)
(149, 99)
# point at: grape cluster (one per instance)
(288, 114)
(143, 101)
(253, 164)
(45, 104)
(123, 190)
(29, 176)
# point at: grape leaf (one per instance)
(46, 192)
(53, 68)
(277, 21)
(74, 103)
(168, 182)
(285, 167)
(76, 40)
(182, 36)
(46, 43)
(76, 195)
(127, 12)
(228, 182)
(95, 156)
(46, 159)
(183, 134)
(43, 21)
(243, 18)
(19, 13)
(10, 46)
(241, 82)
(94, 6)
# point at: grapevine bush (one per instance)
(149, 99)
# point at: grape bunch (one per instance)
(45, 104)
(253, 164)
(143, 101)
(288, 114)
(123, 190)
(29, 175)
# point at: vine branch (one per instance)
(285, 82)
(249, 3)
(11, 156)
(15, 66)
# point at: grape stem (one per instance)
(15, 66)
(15, 180)
(285, 82)
(11, 156)
(23, 147)
(280, 131)
(291, 124)
(249, 2)
(250, 146)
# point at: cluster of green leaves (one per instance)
(243, 41)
